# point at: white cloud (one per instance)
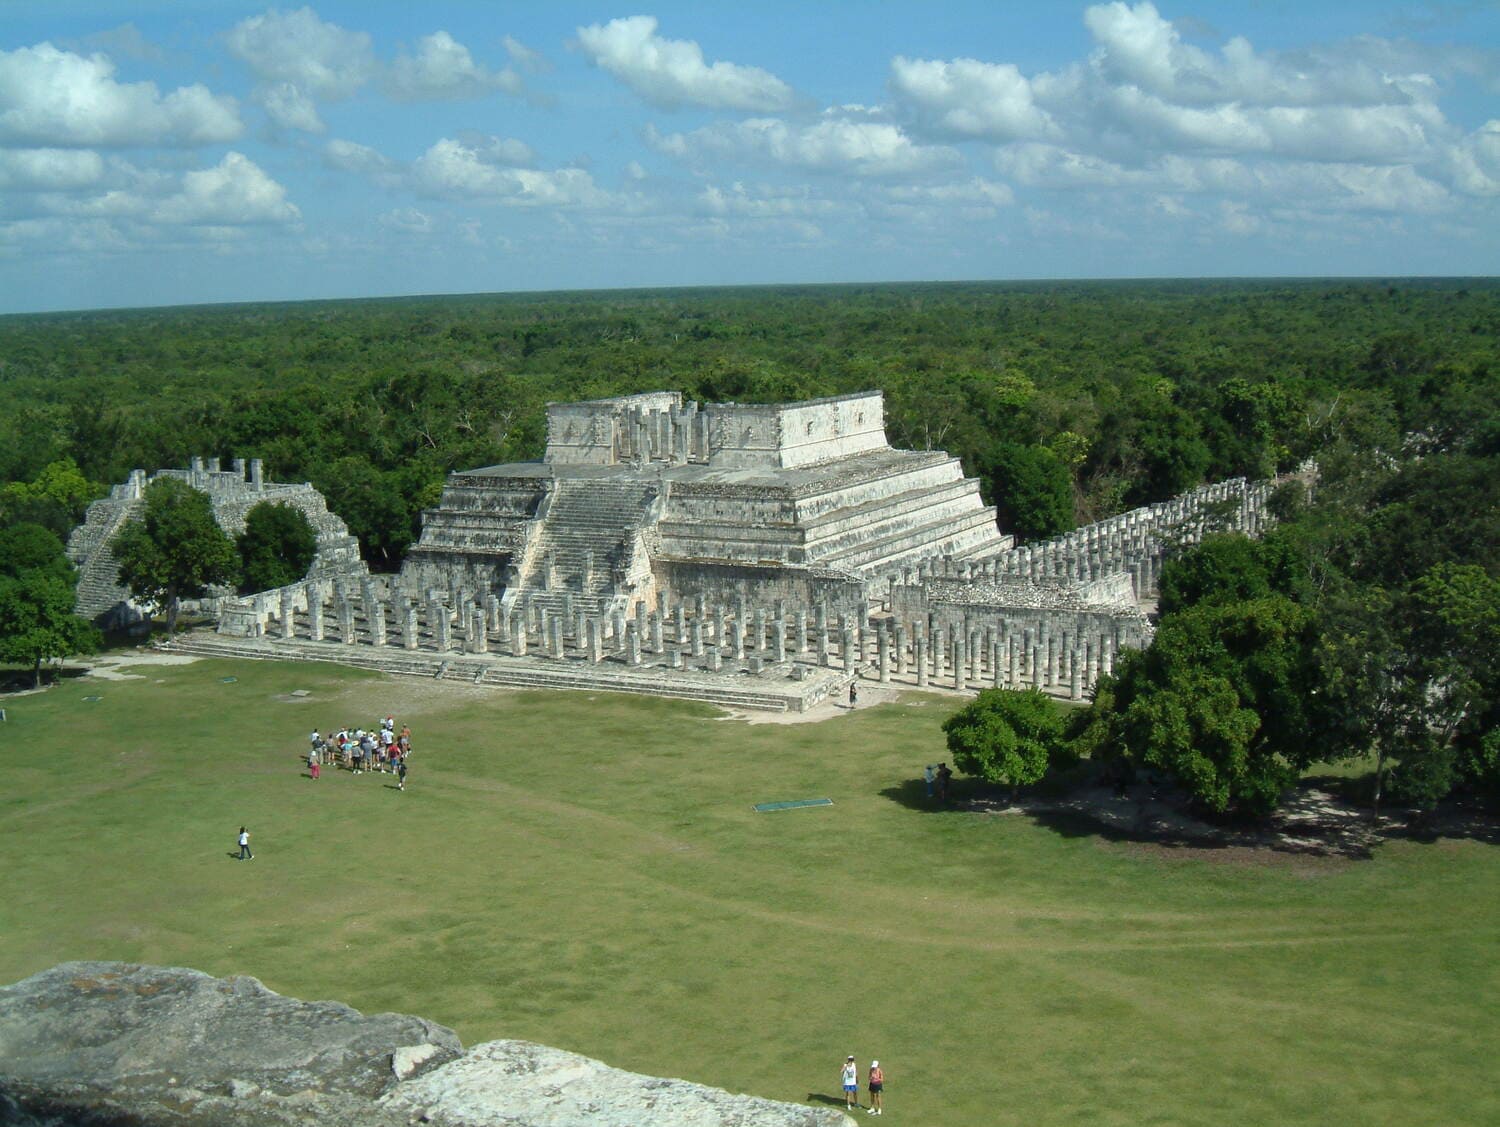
(53, 98)
(1474, 163)
(451, 168)
(443, 68)
(408, 220)
(860, 148)
(234, 192)
(349, 156)
(51, 170)
(671, 72)
(321, 59)
(531, 61)
(289, 107)
(968, 98)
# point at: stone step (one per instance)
(968, 534)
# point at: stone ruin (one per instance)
(233, 492)
(756, 556)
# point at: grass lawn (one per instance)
(587, 871)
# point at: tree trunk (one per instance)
(36, 674)
(1379, 782)
(171, 612)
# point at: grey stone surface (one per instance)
(122, 1045)
(511, 1083)
(118, 1043)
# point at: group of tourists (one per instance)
(938, 778)
(357, 750)
(875, 1080)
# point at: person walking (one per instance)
(853, 695)
(244, 840)
(851, 1083)
(877, 1088)
(401, 773)
(314, 764)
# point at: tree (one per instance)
(276, 548)
(1006, 736)
(1033, 490)
(37, 622)
(175, 550)
(1223, 700)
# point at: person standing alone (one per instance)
(244, 840)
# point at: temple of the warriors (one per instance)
(233, 492)
(647, 499)
(756, 556)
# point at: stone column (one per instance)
(619, 625)
(288, 613)
(758, 640)
(959, 659)
(314, 612)
(518, 636)
(900, 632)
(556, 645)
(632, 645)
(376, 611)
(800, 640)
(778, 629)
(737, 628)
(1091, 664)
(921, 654)
(713, 659)
(822, 639)
(410, 638)
(697, 637)
(442, 627)
(479, 641)
(682, 634)
(492, 613)
(976, 658)
(884, 659)
(656, 638)
(939, 653)
(1075, 687)
(346, 621)
(848, 648)
(674, 657)
(997, 673)
(1052, 655)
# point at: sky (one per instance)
(166, 152)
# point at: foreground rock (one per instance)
(111, 1044)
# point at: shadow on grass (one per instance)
(825, 1098)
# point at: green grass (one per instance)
(587, 871)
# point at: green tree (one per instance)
(37, 622)
(175, 550)
(1033, 490)
(1223, 700)
(276, 548)
(1006, 736)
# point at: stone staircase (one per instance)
(585, 538)
(98, 589)
(529, 673)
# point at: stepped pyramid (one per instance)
(643, 498)
(233, 492)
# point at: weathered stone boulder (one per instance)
(522, 1084)
(117, 1044)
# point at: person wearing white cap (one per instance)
(877, 1086)
(851, 1083)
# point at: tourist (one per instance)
(401, 774)
(877, 1086)
(314, 764)
(244, 840)
(851, 1083)
(944, 777)
(853, 695)
(929, 773)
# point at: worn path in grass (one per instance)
(587, 871)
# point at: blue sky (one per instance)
(198, 151)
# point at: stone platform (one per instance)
(791, 686)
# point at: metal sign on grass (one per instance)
(795, 804)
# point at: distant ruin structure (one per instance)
(233, 492)
(759, 556)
